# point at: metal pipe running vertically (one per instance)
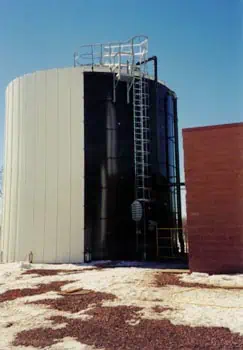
(155, 59)
(178, 183)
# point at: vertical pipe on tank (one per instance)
(103, 207)
(178, 187)
(111, 131)
(108, 175)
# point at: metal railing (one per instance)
(118, 56)
(168, 244)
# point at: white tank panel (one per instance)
(43, 203)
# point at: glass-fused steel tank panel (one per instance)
(109, 167)
(109, 179)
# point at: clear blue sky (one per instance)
(198, 43)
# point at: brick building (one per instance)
(214, 183)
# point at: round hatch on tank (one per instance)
(137, 210)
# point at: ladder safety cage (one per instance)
(128, 62)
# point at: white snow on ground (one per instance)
(214, 280)
(192, 306)
(25, 317)
(11, 274)
(67, 343)
(134, 286)
(70, 344)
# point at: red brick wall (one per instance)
(214, 184)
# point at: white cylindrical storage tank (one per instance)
(43, 204)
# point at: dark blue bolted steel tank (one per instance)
(110, 232)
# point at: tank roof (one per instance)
(84, 68)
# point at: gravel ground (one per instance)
(50, 272)
(106, 308)
(174, 279)
(77, 302)
(40, 289)
(110, 329)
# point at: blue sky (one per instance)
(198, 44)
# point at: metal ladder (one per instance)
(141, 138)
(165, 242)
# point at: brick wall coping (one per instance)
(208, 127)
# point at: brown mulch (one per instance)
(107, 265)
(75, 302)
(108, 329)
(164, 279)
(158, 309)
(40, 289)
(51, 272)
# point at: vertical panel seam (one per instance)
(57, 155)
(17, 175)
(10, 177)
(45, 132)
(18, 221)
(70, 174)
(35, 160)
(83, 167)
(4, 213)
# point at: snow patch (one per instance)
(132, 286)
(230, 281)
(69, 343)
(24, 265)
